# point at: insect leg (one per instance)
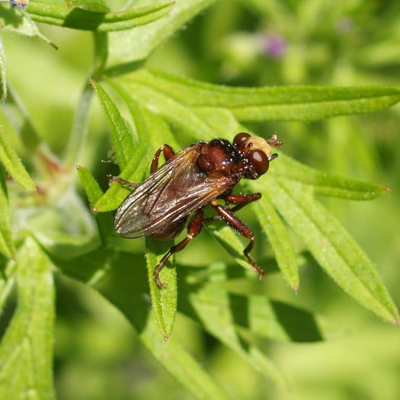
(231, 219)
(194, 229)
(121, 181)
(240, 200)
(168, 153)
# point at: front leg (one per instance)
(231, 219)
(168, 153)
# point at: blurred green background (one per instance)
(251, 43)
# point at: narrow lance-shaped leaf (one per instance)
(13, 164)
(278, 237)
(89, 5)
(326, 184)
(170, 110)
(212, 308)
(7, 278)
(264, 317)
(93, 193)
(3, 77)
(27, 347)
(56, 13)
(164, 299)
(121, 136)
(297, 103)
(19, 22)
(6, 238)
(127, 49)
(332, 246)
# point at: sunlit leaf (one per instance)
(164, 105)
(164, 299)
(6, 237)
(27, 346)
(290, 103)
(332, 246)
(120, 134)
(7, 279)
(127, 48)
(13, 164)
(56, 13)
(279, 239)
(89, 5)
(326, 184)
(19, 22)
(211, 306)
(3, 77)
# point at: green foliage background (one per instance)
(300, 337)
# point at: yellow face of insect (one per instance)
(258, 143)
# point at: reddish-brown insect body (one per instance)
(188, 181)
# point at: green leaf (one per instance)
(93, 193)
(170, 110)
(56, 13)
(89, 5)
(13, 164)
(6, 237)
(297, 103)
(279, 239)
(261, 316)
(19, 22)
(164, 299)
(3, 66)
(7, 279)
(180, 363)
(211, 306)
(332, 246)
(128, 291)
(27, 347)
(120, 134)
(326, 184)
(127, 49)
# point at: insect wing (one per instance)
(172, 192)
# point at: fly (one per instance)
(196, 176)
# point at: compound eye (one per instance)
(240, 139)
(259, 161)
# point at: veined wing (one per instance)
(172, 192)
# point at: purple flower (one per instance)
(273, 45)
